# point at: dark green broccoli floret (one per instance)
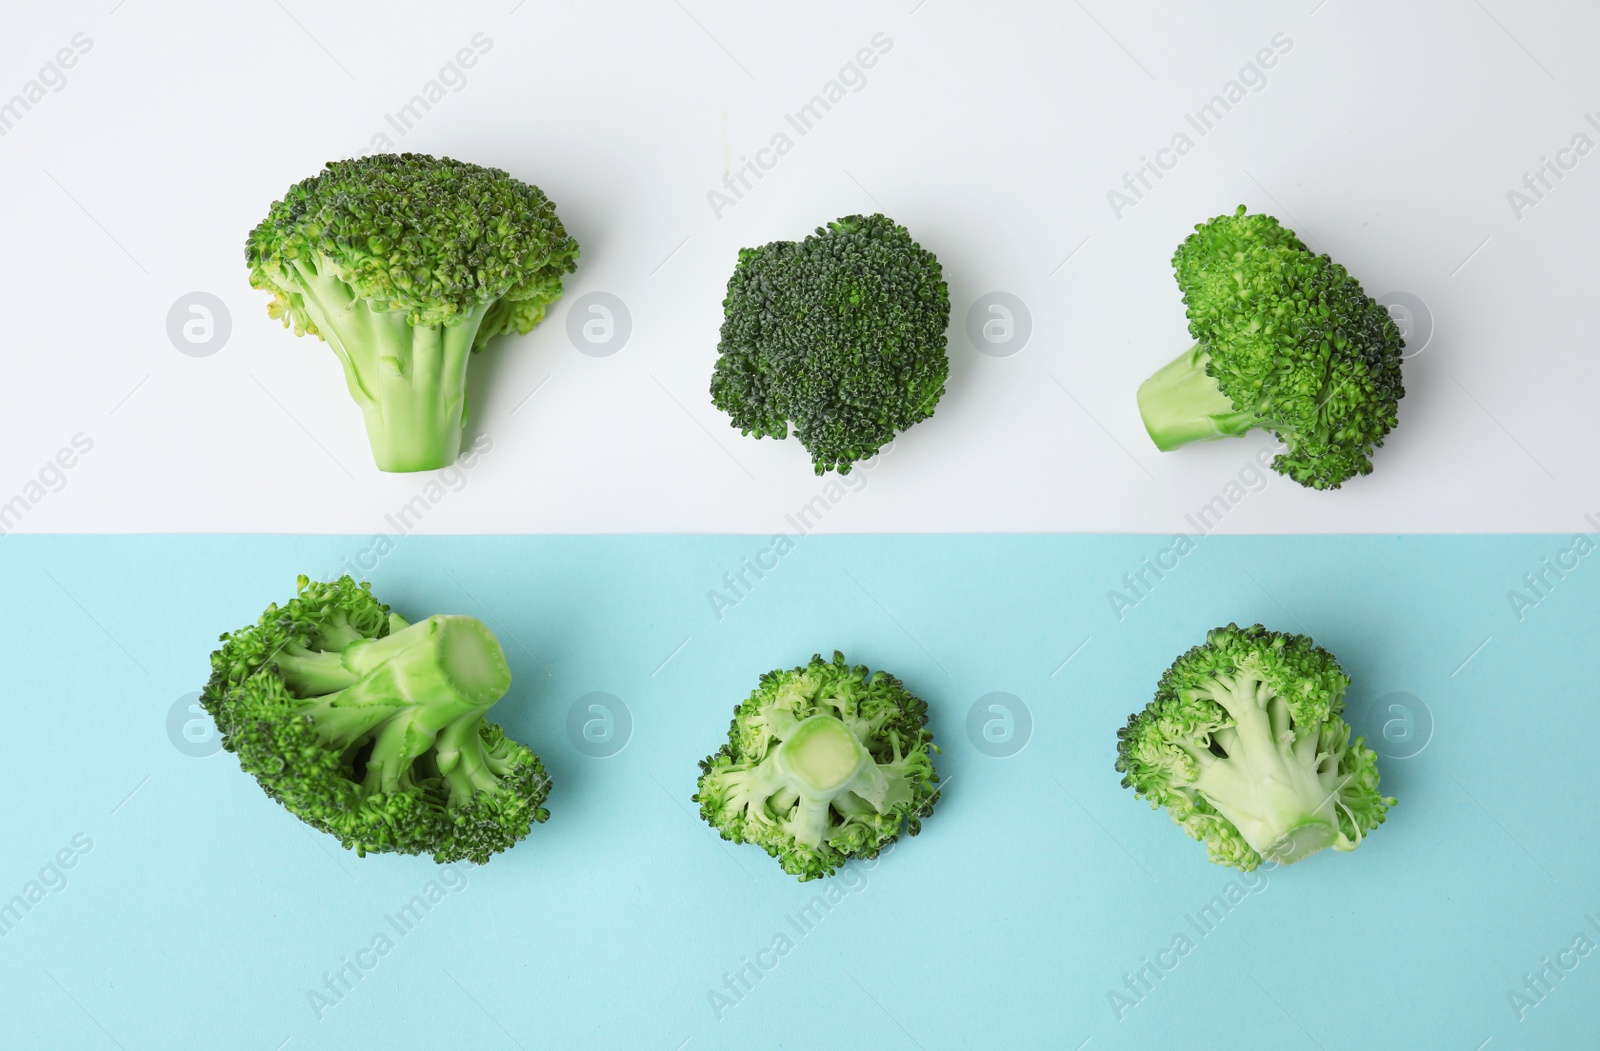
(1287, 340)
(406, 265)
(1245, 746)
(372, 729)
(823, 764)
(841, 336)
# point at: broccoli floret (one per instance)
(406, 265)
(823, 764)
(372, 729)
(1245, 746)
(1286, 340)
(841, 335)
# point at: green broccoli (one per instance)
(1287, 340)
(372, 729)
(1245, 746)
(823, 764)
(406, 265)
(841, 335)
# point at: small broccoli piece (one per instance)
(1286, 340)
(823, 764)
(372, 729)
(841, 335)
(407, 265)
(1245, 746)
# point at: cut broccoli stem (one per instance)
(1181, 403)
(824, 764)
(445, 665)
(818, 760)
(821, 755)
(410, 380)
(1279, 796)
(424, 686)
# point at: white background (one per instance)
(1387, 136)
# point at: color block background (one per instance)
(149, 395)
(1387, 135)
(203, 915)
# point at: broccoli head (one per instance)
(1245, 746)
(1286, 340)
(841, 335)
(823, 764)
(406, 265)
(372, 729)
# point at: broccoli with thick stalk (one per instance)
(407, 265)
(1286, 340)
(841, 336)
(372, 729)
(1245, 746)
(823, 764)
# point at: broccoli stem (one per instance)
(818, 759)
(1181, 403)
(447, 666)
(410, 380)
(311, 672)
(466, 765)
(1269, 786)
(423, 687)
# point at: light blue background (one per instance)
(205, 914)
